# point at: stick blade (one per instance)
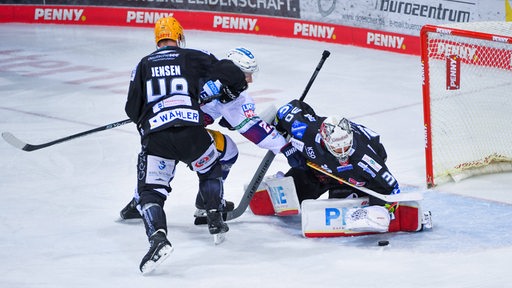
(14, 141)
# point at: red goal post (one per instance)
(467, 99)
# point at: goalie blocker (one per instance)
(276, 195)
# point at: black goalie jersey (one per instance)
(366, 166)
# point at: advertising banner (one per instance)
(389, 25)
(220, 22)
(401, 16)
(280, 8)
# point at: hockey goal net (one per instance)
(467, 99)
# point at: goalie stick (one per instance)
(411, 196)
(265, 163)
(16, 142)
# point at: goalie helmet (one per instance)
(244, 59)
(337, 137)
(169, 28)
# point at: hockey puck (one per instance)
(383, 243)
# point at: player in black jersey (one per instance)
(343, 148)
(345, 159)
(163, 101)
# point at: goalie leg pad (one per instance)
(260, 203)
(327, 217)
(276, 195)
(283, 195)
(410, 217)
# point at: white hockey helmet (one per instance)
(337, 137)
(244, 59)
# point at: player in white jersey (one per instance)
(239, 115)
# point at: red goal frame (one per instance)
(424, 53)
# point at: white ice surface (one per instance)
(60, 204)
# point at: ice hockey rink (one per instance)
(60, 204)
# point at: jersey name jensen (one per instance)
(166, 70)
(171, 115)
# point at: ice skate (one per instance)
(200, 213)
(130, 211)
(216, 226)
(426, 221)
(159, 250)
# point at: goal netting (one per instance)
(467, 99)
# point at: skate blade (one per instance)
(128, 221)
(151, 265)
(219, 238)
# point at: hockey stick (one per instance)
(265, 163)
(411, 196)
(269, 157)
(16, 142)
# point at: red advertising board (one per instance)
(212, 21)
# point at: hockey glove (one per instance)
(229, 94)
(211, 90)
(294, 157)
(232, 79)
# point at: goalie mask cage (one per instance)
(467, 99)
